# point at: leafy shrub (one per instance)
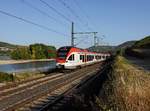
(5, 77)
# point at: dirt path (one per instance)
(141, 63)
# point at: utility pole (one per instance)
(72, 34)
(95, 44)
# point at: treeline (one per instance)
(34, 51)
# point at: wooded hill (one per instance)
(102, 48)
(143, 43)
(126, 44)
(141, 49)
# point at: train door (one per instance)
(71, 60)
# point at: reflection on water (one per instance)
(38, 66)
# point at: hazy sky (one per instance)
(118, 20)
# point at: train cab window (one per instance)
(71, 58)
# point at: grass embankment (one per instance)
(127, 89)
(4, 77)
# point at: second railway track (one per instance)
(34, 91)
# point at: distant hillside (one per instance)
(102, 48)
(141, 49)
(143, 43)
(112, 48)
(6, 48)
(126, 44)
(7, 45)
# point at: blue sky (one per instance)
(117, 20)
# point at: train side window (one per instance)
(100, 57)
(81, 57)
(71, 58)
(103, 57)
(83, 60)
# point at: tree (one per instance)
(34, 51)
(21, 53)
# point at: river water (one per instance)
(36, 66)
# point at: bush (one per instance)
(41, 51)
(21, 53)
(34, 51)
(6, 77)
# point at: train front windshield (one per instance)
(62, 52)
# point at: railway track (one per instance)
(58, 103)
(31, 92)
(42, 103)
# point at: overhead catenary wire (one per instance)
(59, 13)
(86, 16)
(42, 12)
(56, 11)
(81, 21)
(70, 9)
(81, 41)
(84, 13)
(73, 12)
(33, 23)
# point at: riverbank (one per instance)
(22, 61)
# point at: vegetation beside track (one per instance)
(127, 88)
(25, 76)
(5, 77)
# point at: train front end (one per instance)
(61, 56)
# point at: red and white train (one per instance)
(69, 57)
